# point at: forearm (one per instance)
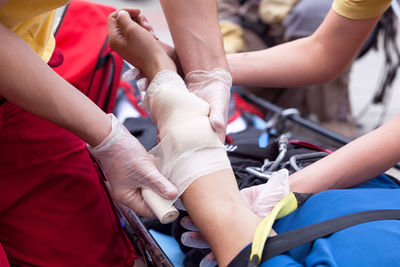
(316, 59)
(31, 84)
(295, 63)
(219, 211)
(195, 30)
(353, 164)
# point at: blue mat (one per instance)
(170, 248)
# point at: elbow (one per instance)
(331, 73)
(330, 64)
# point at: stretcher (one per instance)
(138, 229)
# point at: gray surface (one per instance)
(364, 74)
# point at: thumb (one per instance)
(159, 184)
(218, 120)
(124, 20)
(208, 261)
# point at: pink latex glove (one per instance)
(261, 199)
(214, 88)
(128, 168)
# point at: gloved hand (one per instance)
(261, 199)
(214, 88)
(128, 167)
(135, 74)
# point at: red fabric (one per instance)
(57, 58)
(243, 106)
(3, 258)
(128, 89)
(82, 37)
(310, 145)
(54, 210)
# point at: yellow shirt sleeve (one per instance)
(360, 9)
(33, 22)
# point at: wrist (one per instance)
(198, 79)
(102, 129)
(158, 65)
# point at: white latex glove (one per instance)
(135, 74)
(128, 167)
(194, 239)
(261, 199)
(213, 87)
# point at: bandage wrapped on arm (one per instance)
(189, 147)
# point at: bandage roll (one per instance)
(162, 208)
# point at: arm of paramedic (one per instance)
(195, 30)
(353, 164)
(197, 37)
(315, 59)
(36, 88)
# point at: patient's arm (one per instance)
(212, 200)
(218, 210)
(353, 164)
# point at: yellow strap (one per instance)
(284, 207)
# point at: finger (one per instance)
(133, 12)
(188, 224)
(114, 32)
(142, 84)
(142, 21)
(132, 74)
(124, 20)
(159, 184)
(138, 205)
(194, 240)
(208, 261)
(218, 122)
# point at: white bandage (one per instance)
(189, 147)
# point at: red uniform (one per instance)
(54, 210)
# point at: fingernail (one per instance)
(191, 239)
(121, 12)
(206, 262)
(187, 223)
